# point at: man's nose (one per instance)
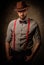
(22, 13)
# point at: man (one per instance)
(21, 34)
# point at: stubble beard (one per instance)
(23, 17)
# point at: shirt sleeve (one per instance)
(8, 34)
(37, 35)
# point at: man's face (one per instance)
(22, 14)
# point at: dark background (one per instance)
(4, 4)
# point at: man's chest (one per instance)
(20, 29)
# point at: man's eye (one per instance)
(22, 11)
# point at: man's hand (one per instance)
(28, 58)
(9, 58)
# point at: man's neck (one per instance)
(23, 19)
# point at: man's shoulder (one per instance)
(33, 22)
(11, 22)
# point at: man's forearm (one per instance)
(7, 48)
(35, 47)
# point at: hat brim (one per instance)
(21, 9)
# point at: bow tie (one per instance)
(23, 22)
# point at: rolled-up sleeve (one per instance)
(37, 35)
(8, 34)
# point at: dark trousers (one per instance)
(19, 57)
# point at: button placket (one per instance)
(21, 28)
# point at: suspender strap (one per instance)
(14, 34)
(28, 29)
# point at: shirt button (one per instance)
(21, 29)
(20, 39)
(21, 34)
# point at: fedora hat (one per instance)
(20, 6)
